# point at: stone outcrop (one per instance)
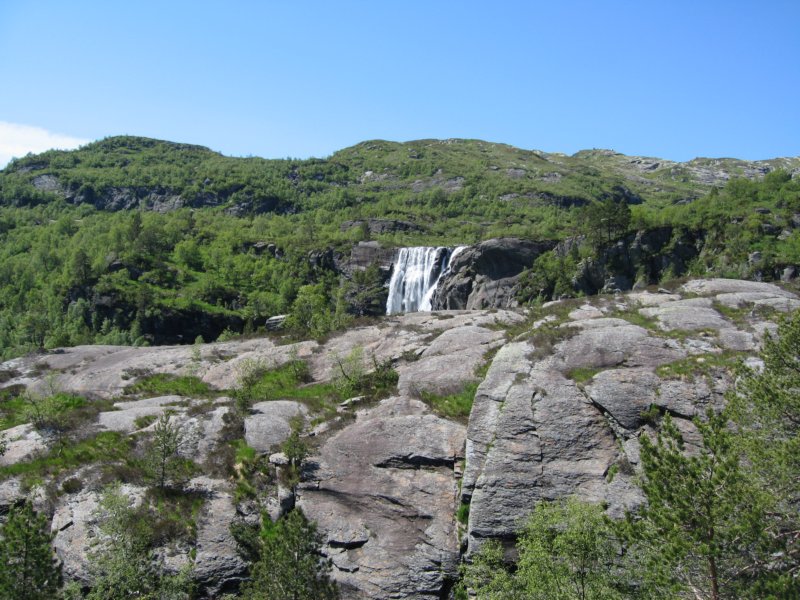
(383, 494)
(486, 275)
(559, 412)
(381, 226)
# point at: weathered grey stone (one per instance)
(546, 441)
(694, 313)
(218, 568)
(740, 341)
(587, 311)
(23, 443)
(449, 362)
(780, 304)
(686, 399)
(383, 494)
(269, 423)
(11, 493)
(625, 394)
(74, 526)
(125, 418)
(648, 299)
(727, 286)
(606, 343)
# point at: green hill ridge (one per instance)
(135, 240)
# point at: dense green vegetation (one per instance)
(288, 563)
(209, 245)
(30, 570)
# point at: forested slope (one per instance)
(132, 240)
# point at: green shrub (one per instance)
(165, 384)
(457, 406)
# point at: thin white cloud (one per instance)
(17, 140)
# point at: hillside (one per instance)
(132, 240)
(195, 345)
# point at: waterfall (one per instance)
(415, 275)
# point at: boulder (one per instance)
(218, 568)
(24, 442)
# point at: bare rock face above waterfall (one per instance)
(564, 394)
(485, 276)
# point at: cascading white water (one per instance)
(416, 273)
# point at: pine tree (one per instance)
(29, 570)
(290, 566)
(568, 550)
(164, 459)
(704, 518)
(765, 406)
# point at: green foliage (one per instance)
(123, 564)
(289, 566)
(567, 550)
(296, 451)
(166, 463)
(583, 375)
(765, 405)
(164, 384)
(354, 377)
(700, 365)
(30, 570)
(258, 382)
(73, 271)
(457, 405)
(311, 312)
(703, 519)
(605, 220)
(462, 514)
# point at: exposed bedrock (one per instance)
(559, 412)
(486, 275)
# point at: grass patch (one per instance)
(462, 514)
(455, 406)
(700, 365)
(59, 413)
(547, 336)
(634, 317)
(287, 382)
(164, 384)
(173, 515)
(583, 374)
(108, 446)
(12, 410)
(291, 382)
(144, 421)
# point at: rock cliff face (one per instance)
(561, 409)
(486, 275)
(563, 396)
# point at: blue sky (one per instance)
(275, 79)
